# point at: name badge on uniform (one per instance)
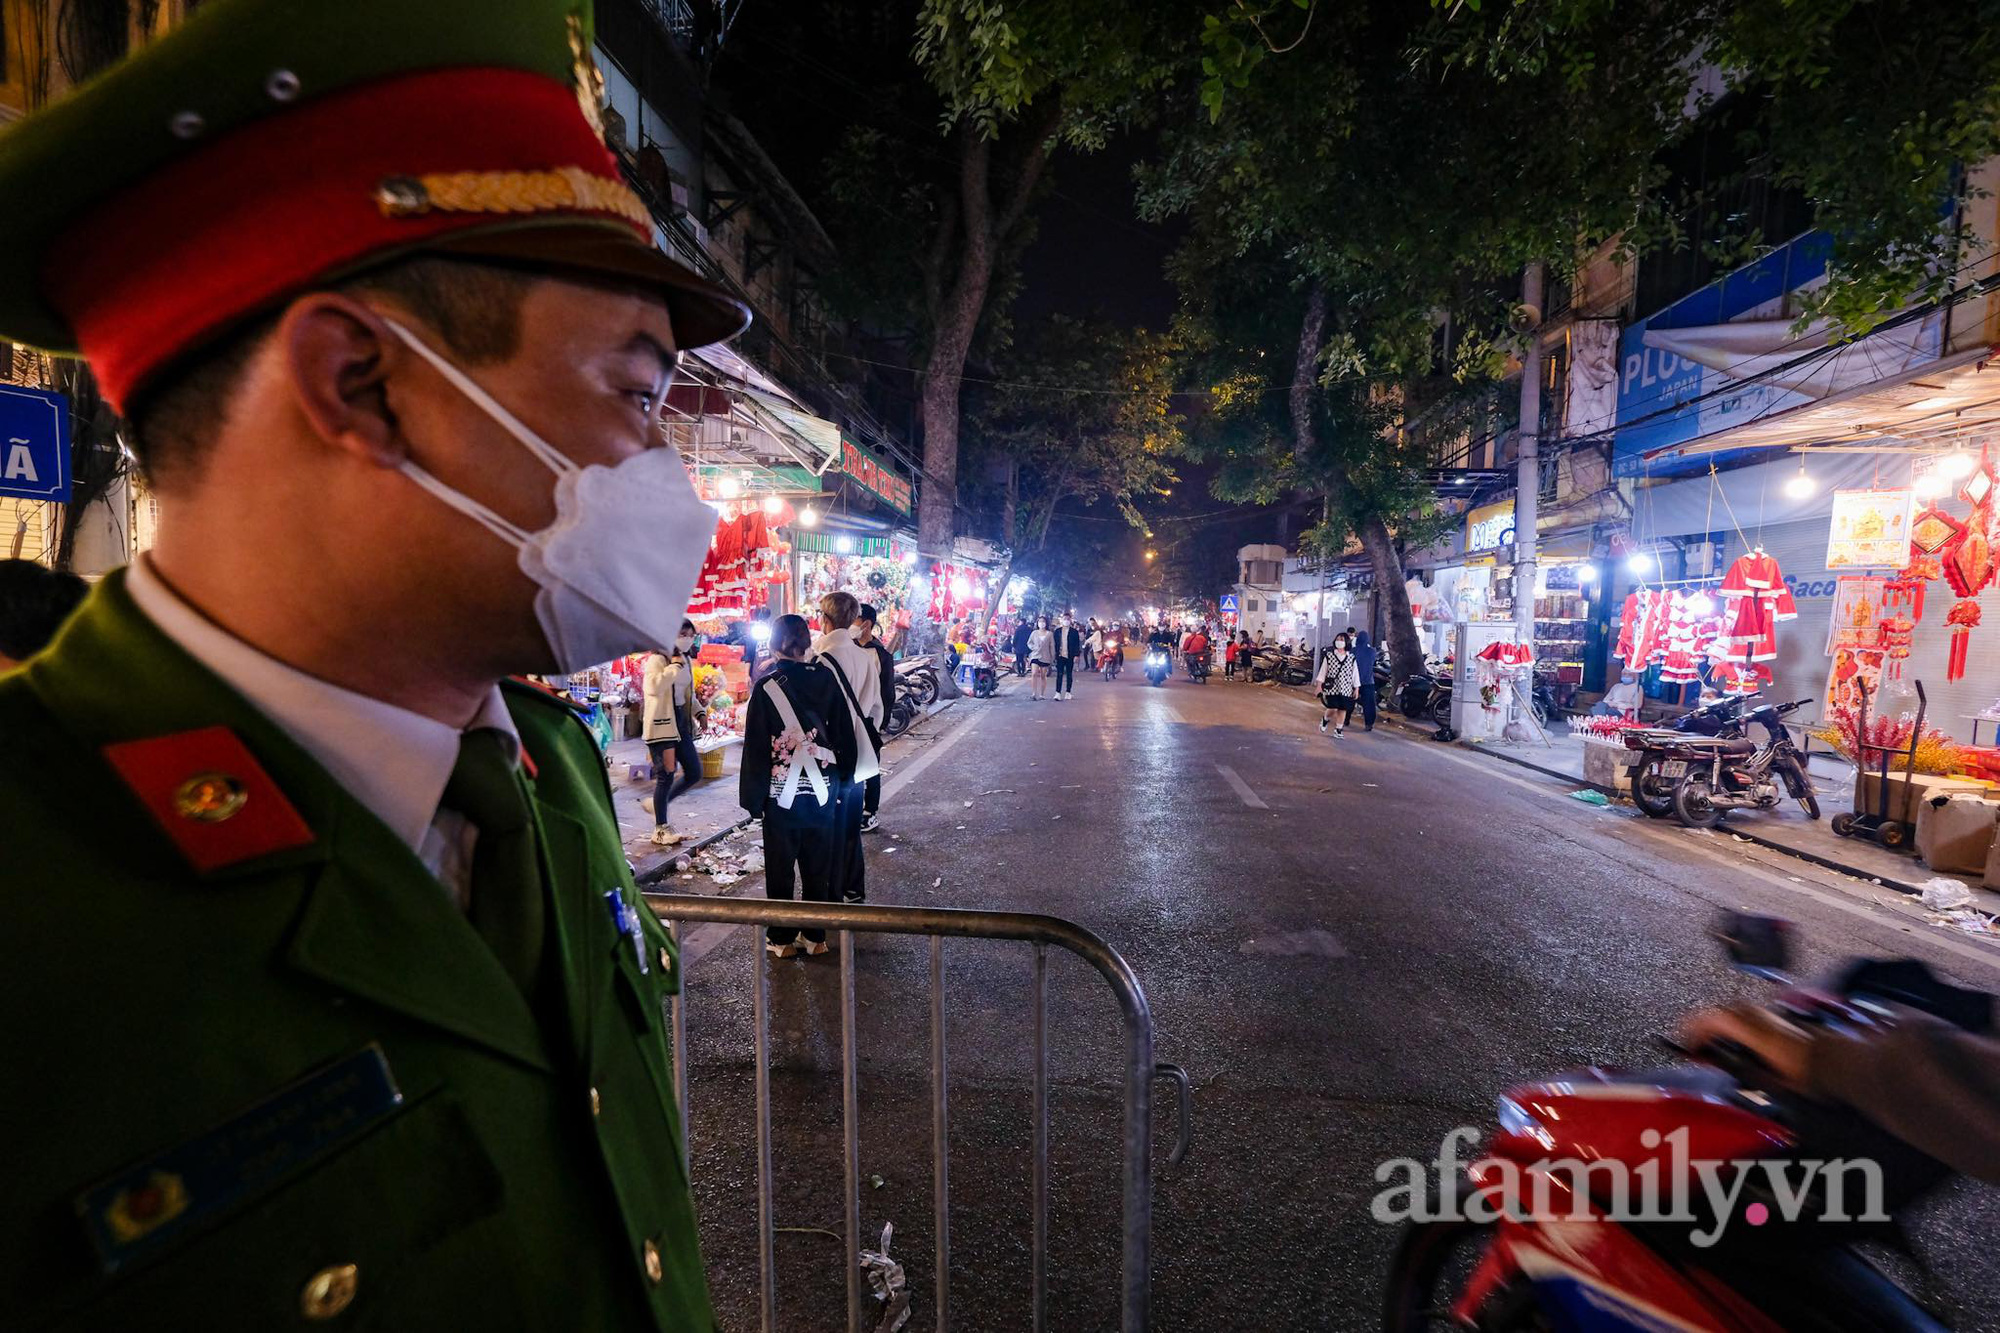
(142, 1208)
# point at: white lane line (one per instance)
(1250, 798)
(907, 773)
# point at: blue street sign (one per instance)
(34, 443)
(1229, 604)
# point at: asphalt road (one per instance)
(1352, 945)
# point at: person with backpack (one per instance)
(799, 753)
(859, 675)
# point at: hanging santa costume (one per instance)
(1758, 599)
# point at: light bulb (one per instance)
(1957, 463)
(959, 587)
(909, 557)
(843, 544)
(809, 517)
(1640, 562)
(772, 504)
(1930, 486)
(728, 488)
(1586, 573)
(1801, 485)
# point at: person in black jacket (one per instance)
(1069, 643)
(782, 757)
(865, 635)
(1022, 629)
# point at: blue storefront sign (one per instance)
(34, 443)
(1666, 399)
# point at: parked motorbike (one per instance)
(1158, 665)
(1656, 773)
(1725, 773)
(1427, 693)
(920, 673)
(1550, 1251)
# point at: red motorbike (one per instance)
(1742, 1245)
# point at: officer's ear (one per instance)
(337, 355)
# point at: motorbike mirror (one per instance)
(1757, 944)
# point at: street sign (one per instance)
(1229, 604)
(34, 443)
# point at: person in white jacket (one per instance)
(668, 727)
(1338, 684)
(859, 674)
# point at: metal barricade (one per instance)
(939, 923)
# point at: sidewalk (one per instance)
(1784, 829)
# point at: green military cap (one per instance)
(267, 145)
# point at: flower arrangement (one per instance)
(1936, 752)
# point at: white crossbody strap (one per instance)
(805, 757)
(867, 763)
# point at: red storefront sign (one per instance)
(860, 465)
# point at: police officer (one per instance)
(328, 993)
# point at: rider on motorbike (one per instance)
(1194, 650)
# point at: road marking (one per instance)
(1250, 798)
(907, 774)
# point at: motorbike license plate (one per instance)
(1673, 768)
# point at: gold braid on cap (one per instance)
(563, 189)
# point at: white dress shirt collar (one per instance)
(395, 762)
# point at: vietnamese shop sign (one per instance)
(1658, 387)
(1489, 527)
(34, 443)
(875, 478)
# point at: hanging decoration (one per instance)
(1869, 529)
(1968, 561)
(1962, 618)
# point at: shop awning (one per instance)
(1934, 402)
(742, 432)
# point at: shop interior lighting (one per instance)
(761, 631)
(728, 487)
(1586, 573)
(909, 557)
(1931, 485)
(1641, 562)
(773, 505)
(844, 544)
(1958, 463)
(1800, 486)
(809, 517)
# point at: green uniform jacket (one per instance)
(530, 1176)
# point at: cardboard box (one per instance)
(1902, 805)
(1955, 833)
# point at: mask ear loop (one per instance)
(487, 403)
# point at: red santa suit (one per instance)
(1758, 599)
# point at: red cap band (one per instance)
(273, 206)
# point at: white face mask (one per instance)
(684, 642)
(616, 566)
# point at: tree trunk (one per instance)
(1305, 374)
(983, 227)
(1406, 650)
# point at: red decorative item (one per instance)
(1962, 617)
(1931, 531)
